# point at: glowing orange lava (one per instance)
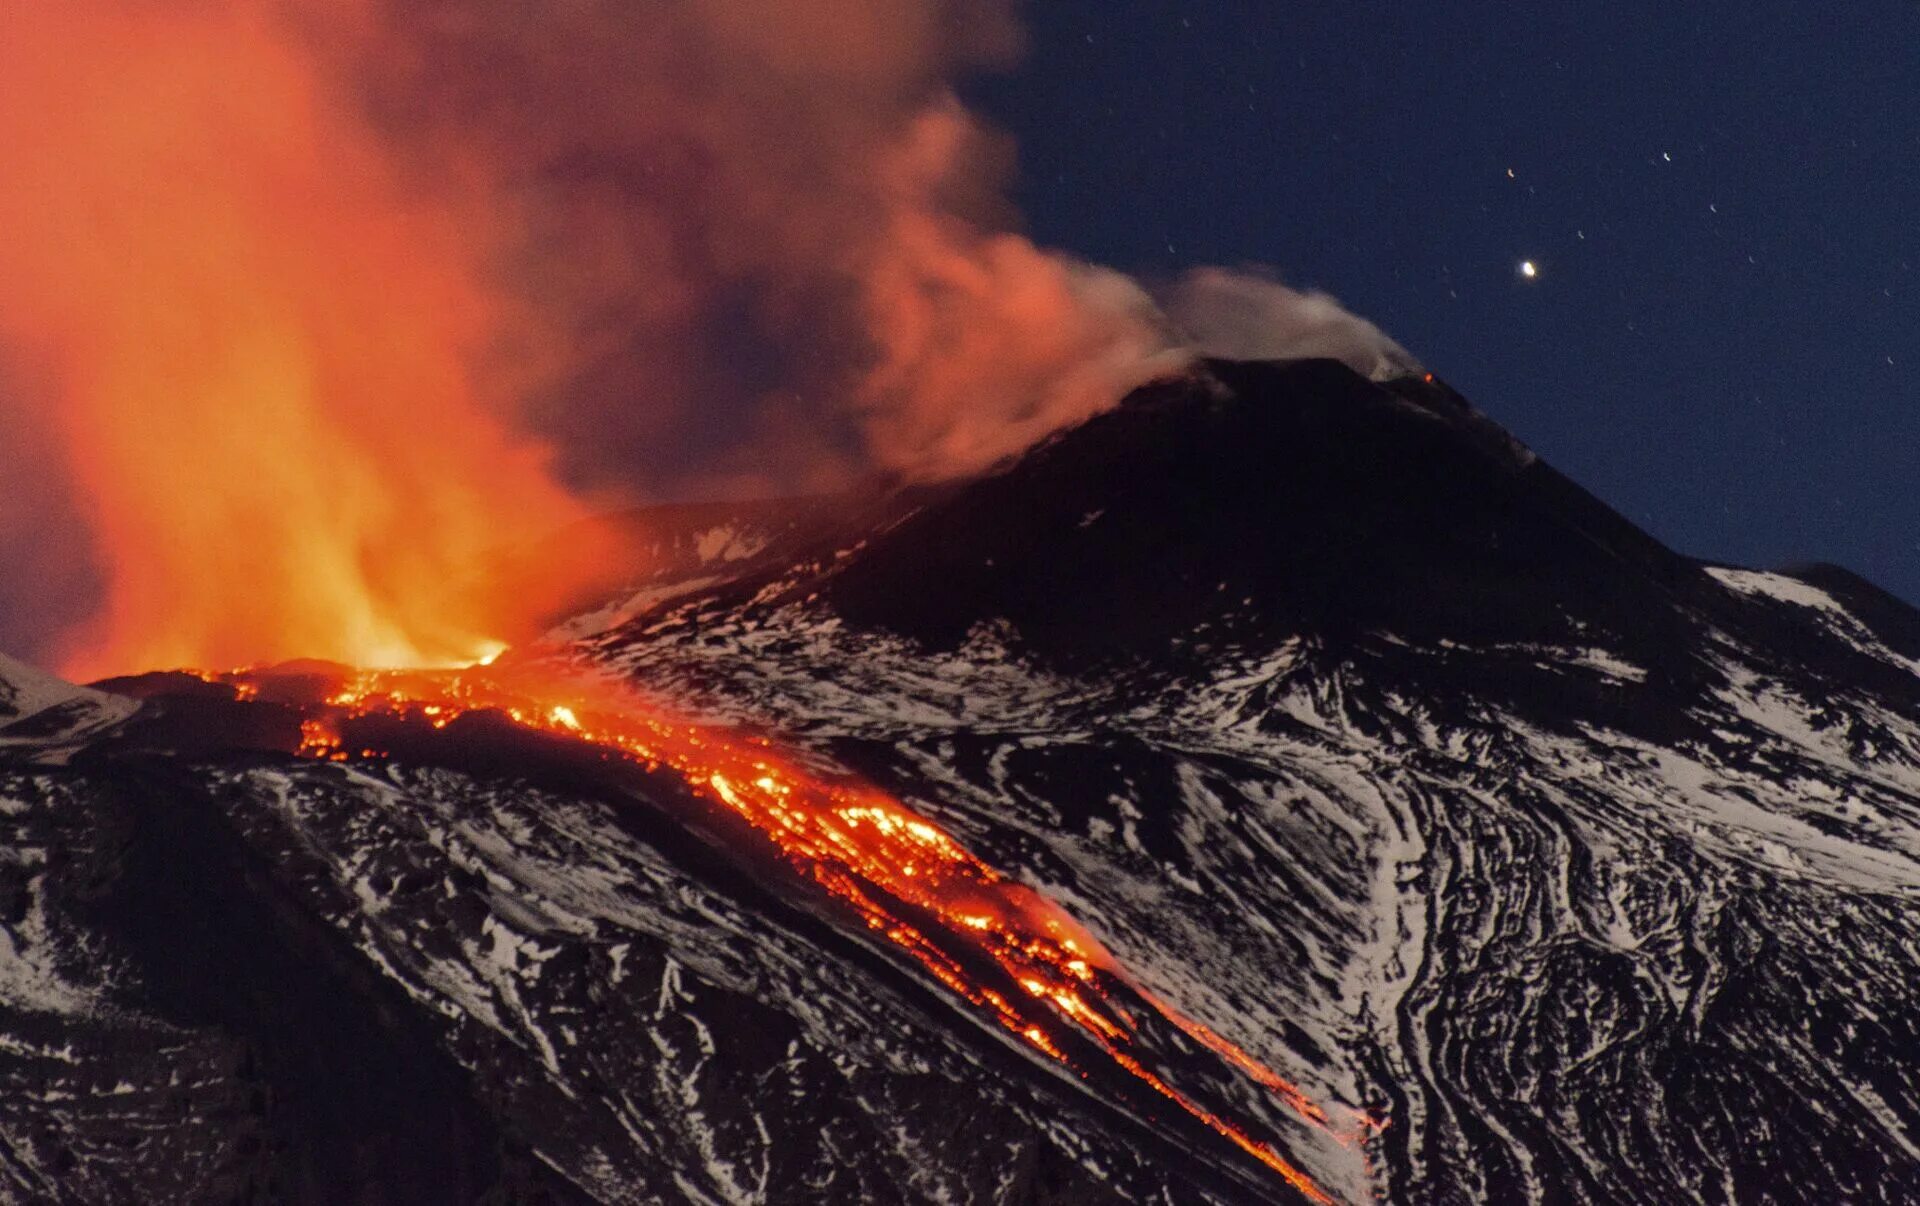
(905, 878)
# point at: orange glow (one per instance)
(252, 339)
(986, 342)
(900, 876)
(285, 285)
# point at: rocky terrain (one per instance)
(1355, 733)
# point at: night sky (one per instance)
(1722, 201)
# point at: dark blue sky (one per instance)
(1723, 199)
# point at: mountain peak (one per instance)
(1296, 494)
(1434, 812)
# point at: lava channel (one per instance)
(905, 878)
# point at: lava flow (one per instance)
(904, 877)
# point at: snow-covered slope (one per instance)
(1418, 771)
(41, 711)
(1357, 735)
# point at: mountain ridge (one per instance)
(1356, 733)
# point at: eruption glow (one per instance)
(267, 290)
(252, 342)
(305, 296)
(992, 941)
(310, 308)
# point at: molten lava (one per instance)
(907, 880)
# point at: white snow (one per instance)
(1842, 622)
(26, 692)
(726, 543)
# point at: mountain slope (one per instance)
(1360, 737)
(1595, 865)
(39, 710)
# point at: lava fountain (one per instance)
(257, 349)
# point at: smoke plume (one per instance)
(307, 309)
(776, 246)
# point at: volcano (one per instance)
(1283, 786)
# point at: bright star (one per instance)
(1529, 269)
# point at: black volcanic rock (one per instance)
(1354, 731)
(1591, 866)
(1271, 498)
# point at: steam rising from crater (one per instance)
(1250, 315)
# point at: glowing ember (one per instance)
(907, 880)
